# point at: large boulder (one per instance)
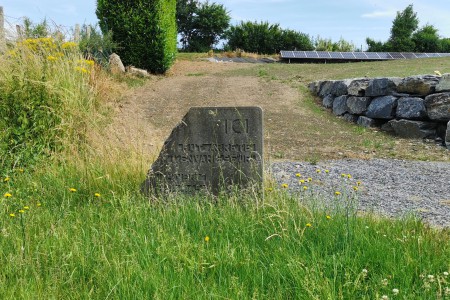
(340, 105)
(411, 108)
(413, 129)
(447, 136)
(325, 88)
(351, 118)
(115, 64)
(382, 86)
(358, 105)
(382, 108)
(367, 122)
(357, 87)
(438, 106)
(314, 87)
(420, 85)
(444, 83)
(327, 101)
(340, 88)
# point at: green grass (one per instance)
(120, 246)
(103, 240)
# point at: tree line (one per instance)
(149, 32)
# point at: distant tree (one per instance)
(201, 24)
(403, 27)
(342, 45)
(426, 39)
(444, 45)
(31, 30)
(375, 46)
(266, 38)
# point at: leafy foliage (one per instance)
(201, 25)
(94, 44)
(145, 31)
(328, 45)
(406, 37)
(266, 38)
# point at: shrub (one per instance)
(266, 38)
(145, 31)
(96, 45)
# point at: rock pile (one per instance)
(410, 107)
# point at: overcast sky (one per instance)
(354, 20)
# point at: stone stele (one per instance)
(212, 149)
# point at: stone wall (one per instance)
(410, 107)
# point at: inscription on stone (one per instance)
(211, 149)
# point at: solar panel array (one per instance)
(326, 55)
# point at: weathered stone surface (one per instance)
(421, 85)
(447, 136)
(340, 105)
(387, 127)
(438, 106)
(358, 105)
(414, 129)
(382, 108)
(115, 64)
(367, 122)
(313, 87)
(339, 88)
(444, 83)
(351, 118)
(211, 149)
(382, 86)
(328, 101)
(357, 87)
(411, 108)
(325, 88)
(137, 72)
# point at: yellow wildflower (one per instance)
(26, 207)
(305, 188)
(21, 211)
(301, 181)
(343, 175)
(269, 189)
(355, 188)
(328, 218)
(51, 58)
(69, 45)
(89, 62)
(284, 185)
(309, 179)
(327, 171)
(38, 204)
(7, 195)
(358, 183)
(72, 190)
(12, 215)
(6, 179)
(298, 175)
(308, 225)
(206, 238)
(318, 171)
(337, 193)
(349, 176)
(97, 195)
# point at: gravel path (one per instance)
(389, 187)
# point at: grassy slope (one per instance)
(74, 245)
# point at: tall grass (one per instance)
(46, 100)
(102, 241)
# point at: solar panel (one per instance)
(372, 55)
(323, 54)
(360, 55)
(348, 55)
(335, 55)
(408, 55)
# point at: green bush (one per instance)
(96, 45)
(144, 30)
(266, 38)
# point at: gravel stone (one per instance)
(392, 188)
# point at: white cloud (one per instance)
(380, 14)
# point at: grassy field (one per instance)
(74, 226)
